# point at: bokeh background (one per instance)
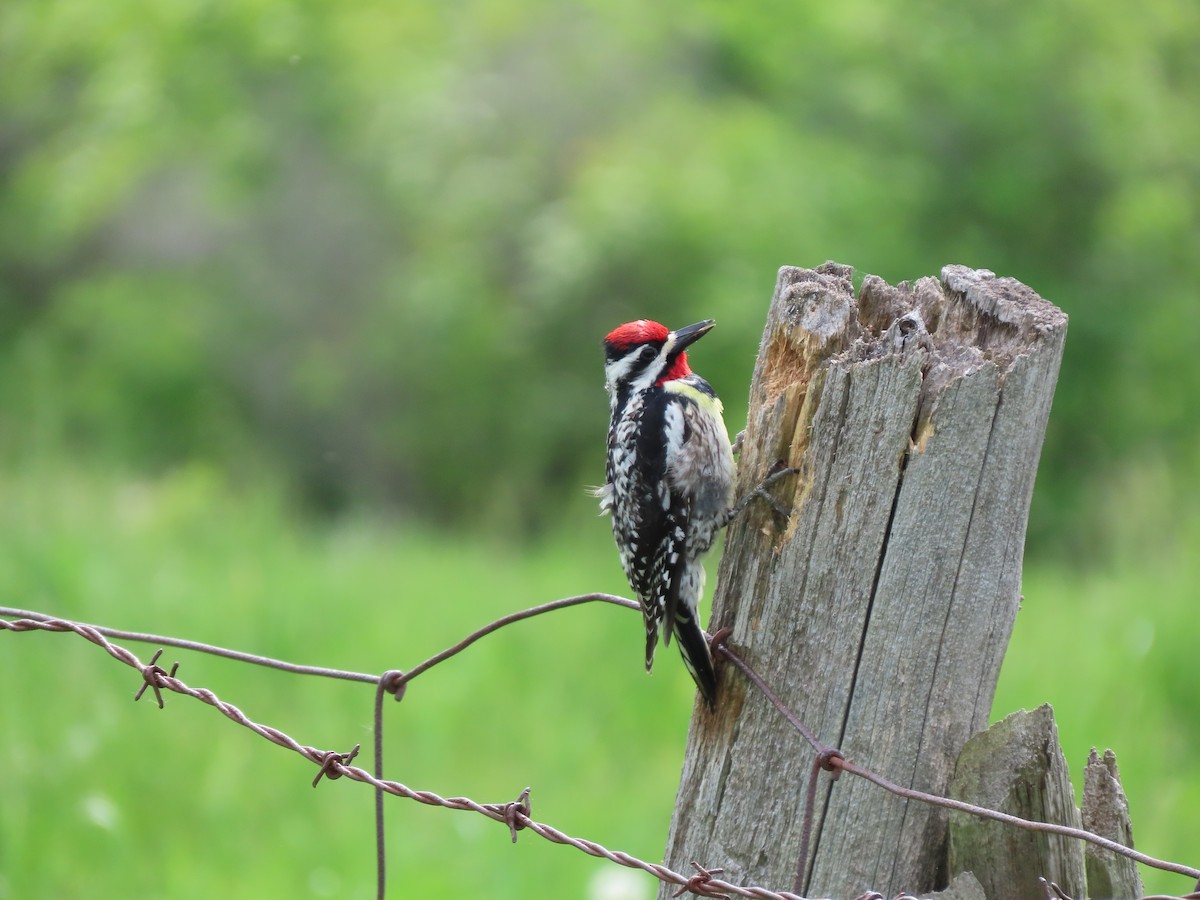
(300, 310)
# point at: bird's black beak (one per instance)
(685, 337)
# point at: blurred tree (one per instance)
(374, 248)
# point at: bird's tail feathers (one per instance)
(693, 646)
(651, 642)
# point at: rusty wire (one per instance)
(401, 679)
(395, 680)
(331, 764)
(831, 760)
(515, 814)
(1054, 892)
(164, 641)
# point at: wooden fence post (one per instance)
(1017, 767)
(881, 609)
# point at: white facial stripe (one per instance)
(620, 370)
(651, 373)
(617, 371)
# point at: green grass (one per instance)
(1113, 650)
(105, 798)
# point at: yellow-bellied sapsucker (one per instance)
(670, 481)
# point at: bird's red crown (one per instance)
(640, 332)
(645, 331)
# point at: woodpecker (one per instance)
(669, 481)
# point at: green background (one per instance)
(300, 310)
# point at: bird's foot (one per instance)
(778, 471)
(737, 442)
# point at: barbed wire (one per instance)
(831, 760)
(516, 814)
(335, 765)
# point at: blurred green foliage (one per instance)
(358, 244)
(357, 258)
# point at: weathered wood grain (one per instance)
(964, 886)
(1105, 811)
(880, 610)
(1017, 767)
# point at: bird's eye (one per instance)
(647, 353)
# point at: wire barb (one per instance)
(516, 814)
(701, 883)
(152, 677)
(332, 763)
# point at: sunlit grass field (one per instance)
(101, 797)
